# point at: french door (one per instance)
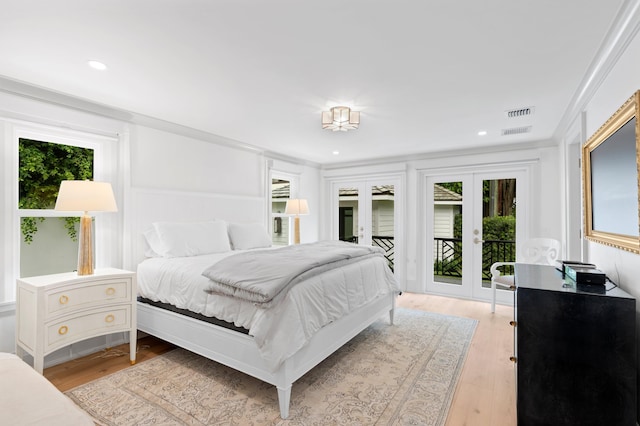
(367, 212)
(472, 221)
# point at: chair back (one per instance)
(541, 251)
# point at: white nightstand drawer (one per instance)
(85, 295)
(53, 311)
(87, 324)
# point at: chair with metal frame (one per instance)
(539, 251)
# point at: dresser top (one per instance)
(543, 277)
(70, 277)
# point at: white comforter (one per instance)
(263, 276)
(281, 330)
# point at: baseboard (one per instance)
(81, 349)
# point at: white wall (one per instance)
(623, 80)
(165, 160)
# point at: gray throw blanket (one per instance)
(262, 276)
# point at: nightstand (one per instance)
(53, 311)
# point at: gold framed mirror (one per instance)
(611, 180)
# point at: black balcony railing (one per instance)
(448, 256)
(497, 251)
(385, 243)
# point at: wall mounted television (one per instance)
(611, 180)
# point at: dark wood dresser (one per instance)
(575, 351)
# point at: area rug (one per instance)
(387, 375)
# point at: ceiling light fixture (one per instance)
(482, 133)
(97, 65)
(340, 118)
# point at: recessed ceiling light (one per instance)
(482, 133)
(97, 65)
(336, 152)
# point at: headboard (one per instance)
(154, 205)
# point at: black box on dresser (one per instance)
(575, 351)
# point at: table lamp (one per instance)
(85, 196)
(296, 207)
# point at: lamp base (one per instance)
(85, 247)
(296, 230)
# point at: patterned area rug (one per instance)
(387, 375)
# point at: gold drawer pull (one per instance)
(111, 291)
(512, 287)
(513, 323)
(63, 330)
(63, 299)
(109, 318)
(513, 359)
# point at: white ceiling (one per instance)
(427, 75)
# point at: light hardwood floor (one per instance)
(486, 390)
(485, 395)
(83, 370)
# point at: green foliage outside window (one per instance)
(500, 228)
(42, 166)
(496, 228)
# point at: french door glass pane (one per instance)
(348, 214)
(498, 225)
(447, 232)
(280, 193)
(382, 233)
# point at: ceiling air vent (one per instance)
(520, 112)
(516, 130)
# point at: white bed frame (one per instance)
(234, 349)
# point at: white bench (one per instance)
(27, 398)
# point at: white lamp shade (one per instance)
(86, 195)
(296, 207)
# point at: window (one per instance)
(42, 166)
(284, 186)
(280, 193)
(19, 258)
(50, 248)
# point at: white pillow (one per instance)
(248, 235)
(179, 239)
(153, 244)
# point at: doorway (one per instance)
(366, 212)
(472, 220)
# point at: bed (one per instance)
(247, 342)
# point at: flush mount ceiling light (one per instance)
(340, 118)
(97, 65)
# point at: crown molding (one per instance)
(624, 28)
(42, 94)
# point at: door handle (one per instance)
(477, 240)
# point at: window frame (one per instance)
(105, 150)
